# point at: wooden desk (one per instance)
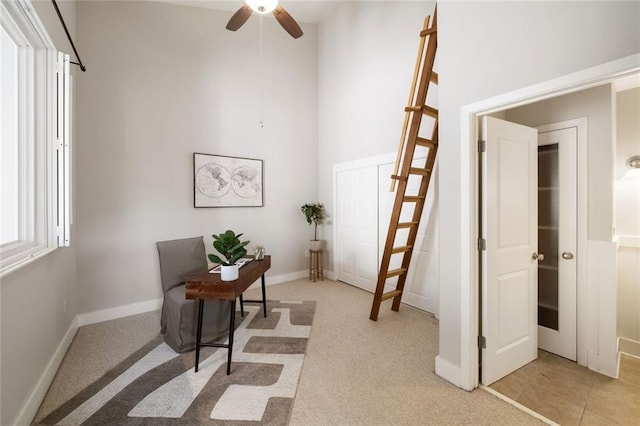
(208, 286)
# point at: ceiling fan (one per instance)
(263, 7)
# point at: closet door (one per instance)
(422, 285)
(357, 226)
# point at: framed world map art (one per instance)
(220, 181)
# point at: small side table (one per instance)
(315, 265)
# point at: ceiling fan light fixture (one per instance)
(262, 6)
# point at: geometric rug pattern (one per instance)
(157, 386)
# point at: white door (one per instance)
(557, 212)
(421, 288)
(363, 209)
(357, 226)
(509, 263)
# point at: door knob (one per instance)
(538, 256)
(567, 255)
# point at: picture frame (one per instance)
(222, 181)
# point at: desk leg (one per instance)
(264, 298)
(199, 331)
(232, 329)
(241, 306)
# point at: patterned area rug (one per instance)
(156, 386)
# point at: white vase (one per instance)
(316, 245)
(229, 273)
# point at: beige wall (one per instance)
(627, 215)
(39, 300)
(627, 191)
(596, 105)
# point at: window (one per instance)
(34, 148)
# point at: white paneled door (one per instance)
(509, 263)
(557, 213)
(357, 226)
(363, 209)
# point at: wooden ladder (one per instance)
(409, 142)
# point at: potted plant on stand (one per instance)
(230, 249)
(315, 214)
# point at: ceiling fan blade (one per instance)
(288, 23)
(239, 18)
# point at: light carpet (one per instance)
(156, 386)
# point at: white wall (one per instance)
(34, 318)
(165, 81)
(490, 48)
(596, 105)
(366, 56)
(627, 215)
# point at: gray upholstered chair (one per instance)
(180, 259)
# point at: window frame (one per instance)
(41, 188)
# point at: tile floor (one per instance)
(569, 394)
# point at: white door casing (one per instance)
(599, 317)
(563, 341)
(509, 268)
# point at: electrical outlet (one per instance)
(306, 253)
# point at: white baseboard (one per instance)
(448, 371)
(30, 408)
(279, 279)
(119, 312)
(629, 346)
(154, 304)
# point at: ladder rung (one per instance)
(428, 31)
(434, 77)
(427, 110)
(396, 177)
(400, 249)
(402, 225)
(425, 142)
(419, 171)
(391, 294)
(396, 272)
(413, 198)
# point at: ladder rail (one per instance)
(413, 232)
(406, 152)
(405, 125)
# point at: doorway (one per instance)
(528, 225)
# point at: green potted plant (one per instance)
(315, 214)
(230, 249)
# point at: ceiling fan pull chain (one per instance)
(261, 77)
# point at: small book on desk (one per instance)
(241, 262)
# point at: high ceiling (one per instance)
(308, 11)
